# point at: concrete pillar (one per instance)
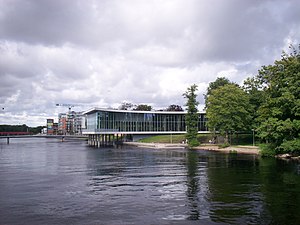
(102, 139)
(98, 140)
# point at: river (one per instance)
(45, 181)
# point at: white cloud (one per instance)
(104, 52)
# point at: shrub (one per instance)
(292, 146)
(193, 143)
(267, 150)
(225, 145)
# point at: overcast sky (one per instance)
(101, 53)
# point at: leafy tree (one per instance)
(192, 116)
(176, 108)
(228, 110)
(279, 115)
(126, 106)
(143, 107)
(219, 82)
(21, 128)
(254, 88)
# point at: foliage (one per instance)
(14, 128)
(279, 114)
(36, 130)
(131, 106)
(267, 150)
(253, 87)
(292, 146)
(224, 145)
(175, 108)
(126, 106)
(21, 128)
(143, 107)
(219, 82)
(228, 109)
(191, 117)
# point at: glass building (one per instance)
(100, 121)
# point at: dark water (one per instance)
(44, 181)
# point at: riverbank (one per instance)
(208, 147)
(156, 145)
(243, 149)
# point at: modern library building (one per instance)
(112, 121)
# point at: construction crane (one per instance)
(70, 106)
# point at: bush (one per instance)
(225, 145)
(292, 146)
(193, 143)
(267, 150)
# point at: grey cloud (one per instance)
(104, 52)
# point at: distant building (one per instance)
(55, 128)
(70, 123)
(62, 123)
(44, 131)
(50, 129)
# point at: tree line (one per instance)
(267, 104)
(21, 128)
(145, 107)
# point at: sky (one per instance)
(101, 53)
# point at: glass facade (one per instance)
(99, 120)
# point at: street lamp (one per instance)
(253, 141)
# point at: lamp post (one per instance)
(253, 141)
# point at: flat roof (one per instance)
(95, 109)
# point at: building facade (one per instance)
(52, 128)
(110, 121)
(62, 123)
(70, 123)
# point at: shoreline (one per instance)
(247, 149)
(207, 147)
(156, 145)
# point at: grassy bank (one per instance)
(241, 139)
(174, 138)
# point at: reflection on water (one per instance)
(49, 182)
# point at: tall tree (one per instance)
(254, 88)
(192, 116)
(228, 110)
(279, 115)
(219, 82)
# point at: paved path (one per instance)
(238, 149)
(209, 147)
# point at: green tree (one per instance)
(192, 117)
(279, 114)
(143, 107)
(174, 108)
(228, 110)
(126, 106)
(254, 88)
(219, 82)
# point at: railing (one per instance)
(8, 133)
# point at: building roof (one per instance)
(95, 109)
